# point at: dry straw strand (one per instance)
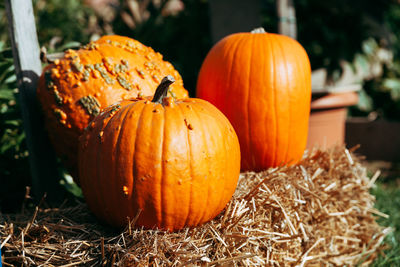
(318, 212)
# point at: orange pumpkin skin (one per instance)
(74, 89)
(177, 162)
(262, 83)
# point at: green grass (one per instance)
(388, 201)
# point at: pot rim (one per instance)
(333, 100)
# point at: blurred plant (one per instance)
(58, 26)
(3, 24)
(136, 12)
(380, 95)
(14, 165)
(60, 22)
(177, 29)
(333, 30)
(355, 42)
(367, 65)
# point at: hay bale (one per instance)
(317, 212)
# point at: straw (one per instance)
(318, 212)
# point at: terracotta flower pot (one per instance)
(328, 118)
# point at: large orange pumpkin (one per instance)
(262, 83)
(176, 163)
(74, 89)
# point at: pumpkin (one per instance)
(75, 88)
(262, 83)
(168, 163)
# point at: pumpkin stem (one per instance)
(258, 30)
(162, 89)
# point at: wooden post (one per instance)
(287, 18)
(45, 177)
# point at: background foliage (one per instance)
(14, 168)
(363, 33)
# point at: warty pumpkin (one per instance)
(172, 163)
(74, 89)
(262, 83)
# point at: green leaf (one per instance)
(396, 67)
(7, 145)
(70, 45)
(3, 108)
(71, 186)
(4, 65)
(392, 85)
(7, 72)
(365, 102)
(361, 61)
(12, 122)
(6, 94)
(395, 94)
(20, 138)
(369, 46)
(6, 53)
(11, 79)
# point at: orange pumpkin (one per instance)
(176, 163)
(262, 83)
(74, 89)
